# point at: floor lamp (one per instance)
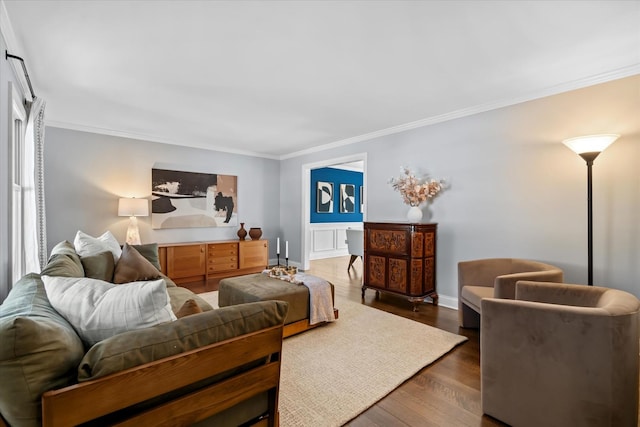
(133, 208)
(588, 147)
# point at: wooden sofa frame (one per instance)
(86, 401)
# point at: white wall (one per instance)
(516, 190)
(86, 173)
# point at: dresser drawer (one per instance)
(223, 263)
(222, 250)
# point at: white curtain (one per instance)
(34, 225)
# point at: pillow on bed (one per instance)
(99, 309)
(87, 245)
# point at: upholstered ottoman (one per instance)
(261, 287)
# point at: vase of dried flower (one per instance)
(414, 215)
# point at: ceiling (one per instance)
(281, 78)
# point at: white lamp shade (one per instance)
(590, 143)
(133, 207)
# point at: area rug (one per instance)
(335, 372)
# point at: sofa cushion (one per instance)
(133, 267)
(39, 351)
(64, 261)
(89, 245)
(99, 266)
(135, 348)
(99, 310)
(150, 252)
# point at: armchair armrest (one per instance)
(505, 285)
(559, 293)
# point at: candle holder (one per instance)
(278, 260)
(287, 262)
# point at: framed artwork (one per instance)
(191, 199)
(347, 198)
(324, 197)
(361, 199)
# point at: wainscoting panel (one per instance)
(328, 240)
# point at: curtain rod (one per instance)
(24, 69)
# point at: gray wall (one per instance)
(516, 190)
(86, 173)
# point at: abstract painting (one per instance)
(324, 197)
(347, 198)
(192, 199)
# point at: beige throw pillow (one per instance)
(133, 267)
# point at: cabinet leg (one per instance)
(363, 289)
(434, 298)
(377, 294)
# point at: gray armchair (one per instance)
(560, 355)
(355, 244)
(495, 278)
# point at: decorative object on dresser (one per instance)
(242, 233)
(400, 258)
(589, 147)
(133, 208)
(415, 191)
(199, 266)
(255, 233)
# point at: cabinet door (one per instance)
(185, 261)
(254, 254)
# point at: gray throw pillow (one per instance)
(99, 266)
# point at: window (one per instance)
(16, 147)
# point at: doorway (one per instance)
(352, 161)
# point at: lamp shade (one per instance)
(590, 143)
(133, 207)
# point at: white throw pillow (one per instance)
(99, 309)
(88, 245)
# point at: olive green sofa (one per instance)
(213, 367)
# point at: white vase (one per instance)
(414, 214)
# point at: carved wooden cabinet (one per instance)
(400, 258)
(200, 266)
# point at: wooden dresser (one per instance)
(200, 266)
(400, 258)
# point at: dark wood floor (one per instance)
(445, 393)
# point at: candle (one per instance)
(278, 246)
(286, 249)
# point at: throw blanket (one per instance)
(320, 300)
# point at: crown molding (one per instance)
(151, 138)
(553, 90)
(13, 47)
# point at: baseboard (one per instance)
(447, 301)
